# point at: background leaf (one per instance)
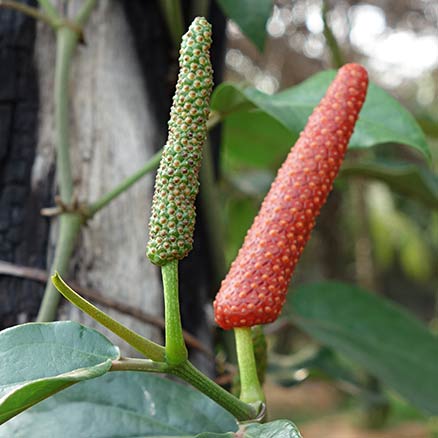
(122, 404)
(251, 16)
(383, 338)
(382, 119)
(240, 215)
(255, 139)
(38, 360)
(406, 179)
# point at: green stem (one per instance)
(251, 391)
(154, 161)
(49, 9)
(66, 42)
(186, 371)
(28, 10)
(69, 223)
(241, 410)
(176, 350)
(69, 227)
(336, 52)
(200, 8)
(160, 363)
(85, 12)
(132, 364)
(145, 346)
(123, 186)
(174, 19)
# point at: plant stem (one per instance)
(69, 226)
(70, 223)
(174, 19)
(153, 162)
(186, 371)
(124, 185)
(160, 361)
(85, 12)
(200, 8)
(49, 9)
(145, 346)
(28, 10)
(176, 350)
(251, 391)
(335, 51)
(66, 41)
(133, 364)
(241, 410)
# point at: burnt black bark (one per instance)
(23, 232)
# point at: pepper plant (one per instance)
(64, 379)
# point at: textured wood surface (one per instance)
(112, 134)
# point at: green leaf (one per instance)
(406, 179)
(216, 435)
(40, 359)
(382, 119)
(255, 139)
(274, 429)
(240, 215)
(123, 404)
(383, 338)
(251, 16)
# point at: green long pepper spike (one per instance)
(172, 220)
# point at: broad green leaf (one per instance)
(382, 119)
(406, 179)
(274, 429)
(251, 16)
(216, 435)
(40, 359)
(228, 98)
(240, 215)
(380, 336)
(255, 139)
(254, 183)
(122, 404)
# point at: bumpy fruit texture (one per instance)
(255, 288)
(173, 214)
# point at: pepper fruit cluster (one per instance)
(172, 220)
(255, 288)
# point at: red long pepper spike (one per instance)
(255, 288)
